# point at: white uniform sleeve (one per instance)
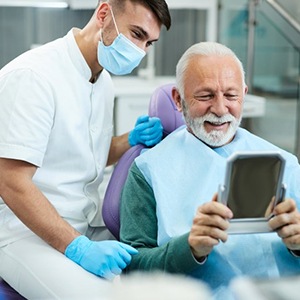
(26, 116)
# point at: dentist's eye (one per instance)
(137, 34)
(149, 44)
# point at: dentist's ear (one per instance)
(102, 12)
(177, 99)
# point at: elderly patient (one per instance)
(169, 206)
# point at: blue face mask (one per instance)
(122, 56)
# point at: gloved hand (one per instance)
(147, 131)
(106, 258)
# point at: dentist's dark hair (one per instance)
(158, 7)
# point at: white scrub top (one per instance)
(53, 117)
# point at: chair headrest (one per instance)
(162, 106)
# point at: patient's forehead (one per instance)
(212, 72)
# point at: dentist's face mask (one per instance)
(122, 56)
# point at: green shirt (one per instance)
(140, 231)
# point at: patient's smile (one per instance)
(216, 125)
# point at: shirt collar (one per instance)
(76, 56)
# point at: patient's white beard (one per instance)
(214, 138)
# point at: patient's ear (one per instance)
(177, 99)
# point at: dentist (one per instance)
(56, 116)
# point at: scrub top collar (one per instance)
(77, 57)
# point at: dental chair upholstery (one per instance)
(7, 292)
(162, 106)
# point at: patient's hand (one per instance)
(209, 227)
(286, 222)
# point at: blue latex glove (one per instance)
(106, 258)
(147, 131)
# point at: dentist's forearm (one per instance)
(31, 206)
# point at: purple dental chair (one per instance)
(7, 292)
(161, 105)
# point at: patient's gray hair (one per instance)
(203, 49)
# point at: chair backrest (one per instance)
(161, 105)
